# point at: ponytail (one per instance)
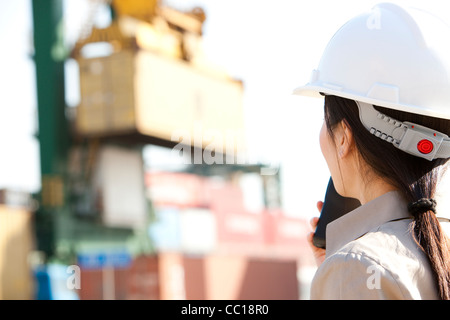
(433, 241)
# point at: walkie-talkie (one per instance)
(334, 206)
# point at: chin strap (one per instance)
(409, 137)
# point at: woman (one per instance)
(385, 76)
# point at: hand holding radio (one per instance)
(331, 209)
(319, 253)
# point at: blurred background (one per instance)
(153, 150)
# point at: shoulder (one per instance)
(387, 244)
(354, 275)
(385, 263)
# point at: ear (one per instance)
(344, 139)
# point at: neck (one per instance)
(369, 191)
(360, 181)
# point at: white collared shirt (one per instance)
(371, 254)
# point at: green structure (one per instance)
(53, 129)
(58, 227)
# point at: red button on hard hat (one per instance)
(425, 146)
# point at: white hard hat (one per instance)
(390, 56)
(395, 58)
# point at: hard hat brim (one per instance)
(318, 91)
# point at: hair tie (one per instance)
(421, 206)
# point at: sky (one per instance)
(271, 45)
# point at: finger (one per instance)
(309, 238)
(319, 205)
(313, 222)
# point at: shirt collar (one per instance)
(387, 207)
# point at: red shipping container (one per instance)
(103, 284)
(239, 227)
(143, 279)
(286, 234)
(175, 189)
(91, 284)
(140, 280)
(239, 277)
(225, 196)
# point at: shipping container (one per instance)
(285, 236)
(178, 189)
(240, 231)
(177, 276)
(239, 277)
(143, 279)
(157, 96)
(119, 185)
(16, 244)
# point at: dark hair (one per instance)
(415, 178)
